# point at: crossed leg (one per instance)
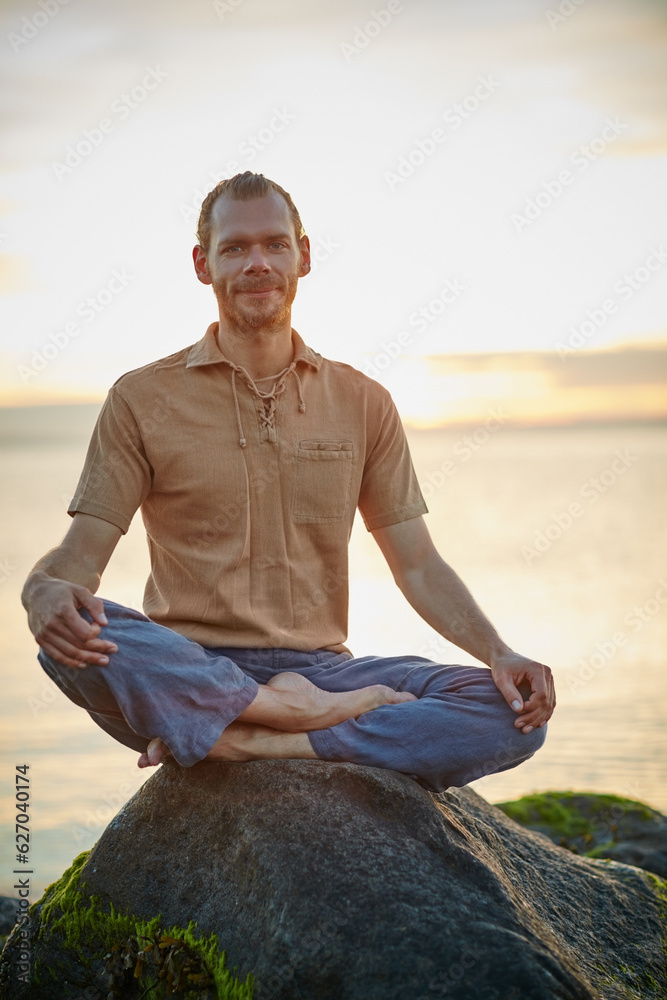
(243, 740)
(455, 728)
(162, 694)
(160, 684)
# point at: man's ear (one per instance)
(304, 248)
(201, 267)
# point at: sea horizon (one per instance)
(581, 592)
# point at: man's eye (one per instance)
(230, 249)
(277, 246)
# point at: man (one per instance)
(248, 454)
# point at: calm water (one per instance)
(559, 533)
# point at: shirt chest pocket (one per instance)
(323, 480)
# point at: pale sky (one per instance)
(413, 135)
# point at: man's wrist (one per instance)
(36, 578)
(499, 653)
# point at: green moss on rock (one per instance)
(582, 822)
(131, 948)
(548, 809)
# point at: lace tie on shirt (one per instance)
(269, 399)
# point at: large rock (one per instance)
(339, 882)
(598, 826)
(8, 910)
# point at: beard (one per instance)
(249, 316)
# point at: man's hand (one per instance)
(55, 622)
(442, 599)
(65, 580)
(509, 670)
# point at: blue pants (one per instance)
(162, 684)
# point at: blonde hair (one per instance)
(243, 187)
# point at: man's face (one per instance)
(253, 261)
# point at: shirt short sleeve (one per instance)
(390, 491)
(116, 476)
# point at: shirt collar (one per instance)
(207, 352)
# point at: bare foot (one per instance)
(242, 741)
(292, 704)
(156, 753)
(293, 707)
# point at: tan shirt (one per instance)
(248, 503)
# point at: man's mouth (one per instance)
(257, 292)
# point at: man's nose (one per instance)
(256, 262)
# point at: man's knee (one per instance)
(513, 748)
(116, 613)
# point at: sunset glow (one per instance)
(462, 196)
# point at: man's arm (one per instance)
(442, 599)
(63, 581)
